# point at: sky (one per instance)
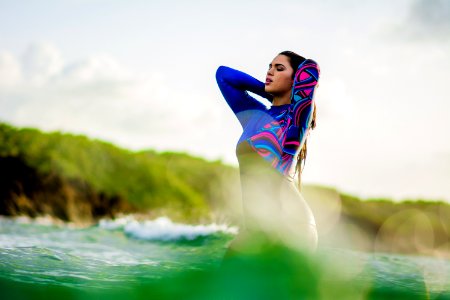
(141, 74)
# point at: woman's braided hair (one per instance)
(295, 60)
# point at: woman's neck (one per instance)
(280, 100)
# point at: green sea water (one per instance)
(159, 259)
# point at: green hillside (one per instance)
(409, 226)
(65, 164)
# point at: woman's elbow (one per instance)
(220, 73)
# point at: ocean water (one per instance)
(160, 259)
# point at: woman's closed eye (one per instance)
(279, 69)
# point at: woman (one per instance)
(271, 141)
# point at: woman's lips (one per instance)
(268, 81)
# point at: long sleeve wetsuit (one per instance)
(270, 140)
(278, 133)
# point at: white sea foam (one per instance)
(163, 229)
(45, 220)
(118, 223)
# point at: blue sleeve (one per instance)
(302, 96)
(234, 85)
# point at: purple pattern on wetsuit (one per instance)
(302, 97)
(276, 134)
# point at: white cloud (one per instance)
(40, 62)
(99, 97)
(99, 68)
(10, 72)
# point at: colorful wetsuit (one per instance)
(271, 139)
(276, 133)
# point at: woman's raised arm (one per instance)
(302, 97)
(234, 85)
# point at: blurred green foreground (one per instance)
(266, 271)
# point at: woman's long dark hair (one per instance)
(295, 60)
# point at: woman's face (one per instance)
(279, 76)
